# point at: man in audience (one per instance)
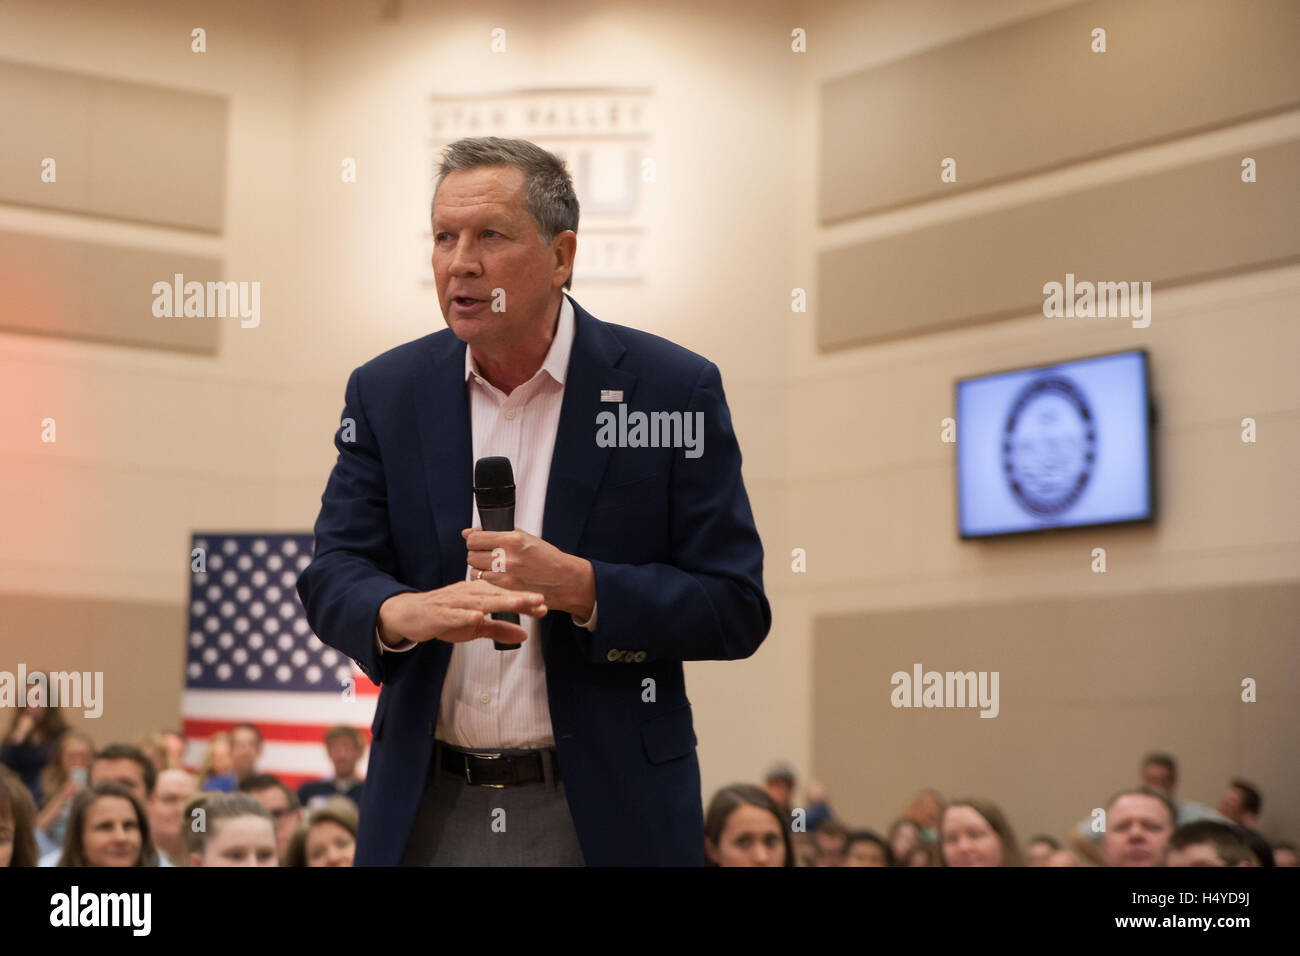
(831, 840)
(865, 848)
(779, 784)
(1062, 858)
(344, 746)
(1159, 772)
(173, 790)
(1138, 826)
(1209, 843)
(1241, 803)
(1284, 854)
(245, 750)
(280, 801)
(1040, 850)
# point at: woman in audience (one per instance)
(975, 833)
(63, 778)
(26, 747)
(328, 838)
(904, 835)
(17, 822)
(744, 827)
(108, 827)
(217, 762)
(229, 829)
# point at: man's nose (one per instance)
(465, 259)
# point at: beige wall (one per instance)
(152, 445)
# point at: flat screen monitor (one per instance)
(1055, 446)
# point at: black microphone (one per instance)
(494, 493)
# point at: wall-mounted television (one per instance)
(1065, 445)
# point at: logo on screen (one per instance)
(1049, 446)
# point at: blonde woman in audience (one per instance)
(62, 779)
(329, 837)
(229, 829)
(217, 761)
(975, 833)
(17, 822)
(108, 827)
(744, 827)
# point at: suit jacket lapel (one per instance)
(442, 409)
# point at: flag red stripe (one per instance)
(283, 733)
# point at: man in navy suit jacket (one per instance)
(661, 541)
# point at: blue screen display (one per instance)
(1056, 446)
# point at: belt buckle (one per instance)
(468, 780)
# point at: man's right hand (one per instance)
(457, 613)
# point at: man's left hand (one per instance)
(525, 562)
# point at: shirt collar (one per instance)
(556, 363)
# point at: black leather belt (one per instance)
(486, 768)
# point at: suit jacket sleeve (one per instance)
(708, 603)
(354, 569)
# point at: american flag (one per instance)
(252, 658)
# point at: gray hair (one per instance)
(549, 196)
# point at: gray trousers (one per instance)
(462, 825)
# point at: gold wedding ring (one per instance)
(480, 575)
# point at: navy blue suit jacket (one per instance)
(678, 569)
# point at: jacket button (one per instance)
(613, 655)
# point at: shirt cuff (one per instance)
(589, 624)
(406, 645)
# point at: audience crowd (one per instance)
(65, 803)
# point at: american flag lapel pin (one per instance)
(611, 395)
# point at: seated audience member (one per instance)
(17, 822)
(904, 836)
(925, 810)
(1208, 843)
(1241, 804)
(1159, 773)
(127, 766)
(229, 829)
(1138, 826)
(280, 801)
(779, 784)
(865, 848)
(1040, 850)
(328, 838)
(830, 838)
(345, 745)
(975, 833)
(745, 827)
(108, 827)
(816, 806)
(924, 853)
(1284, 854)
(245, 751)
(62, 779)
(217, 771)
(27, 747)
(805, 848)
(1062, 858)
(165, 748)
(173, 790)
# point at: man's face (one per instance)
(1158, 777)
(1039, 853)
(286, 820)
(1198, 854)
(344, 756)
(1285, 857)
(124, 771)
(1137, 829)
(865, 853)
(244, 750)
(173, 789)
(484, 239)
(779, 789)
(1231, 804)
